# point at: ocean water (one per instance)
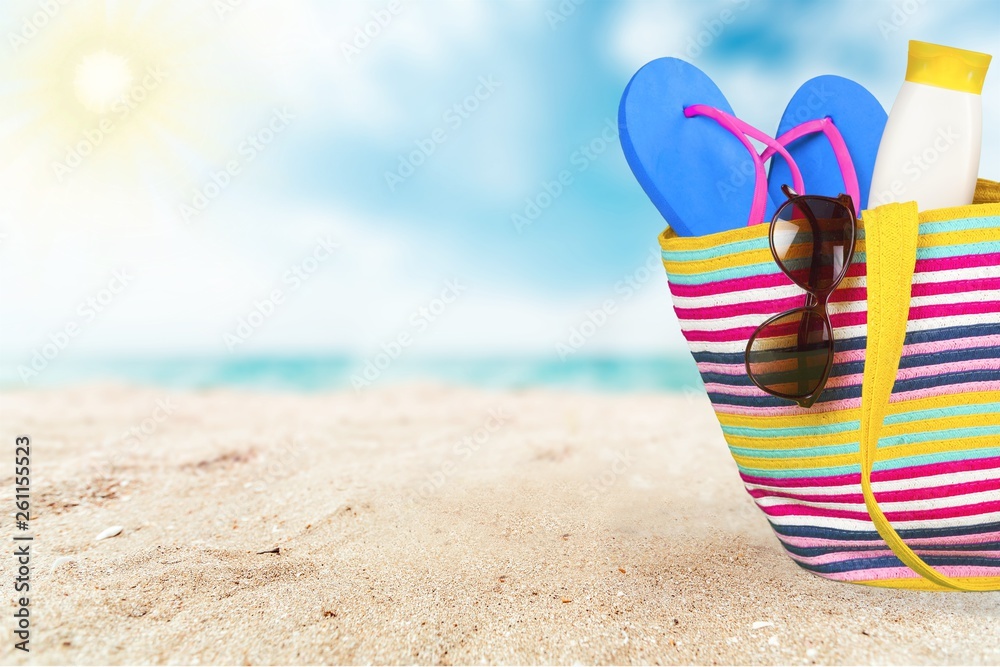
(676, 373)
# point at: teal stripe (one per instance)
(854, 469)
(894, 464)
(766, 268)
(935, 413)
(748, 271)
(716, 251)
(791, 431)
(885, 442)
(823, 450)
(961, 224)
(944, 434)
(847, 426)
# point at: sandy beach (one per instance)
(426, 524)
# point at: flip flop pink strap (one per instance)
(741, 130)
(836, 139)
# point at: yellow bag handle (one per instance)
(891, 233)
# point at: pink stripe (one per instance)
(883, 573)
(896, 474)
(894, 517)
(905, 495)
(788, 410)
(777, 278)
(844, 295)
(818, 542)
(959, 262)
(841, 556)
(840, 320)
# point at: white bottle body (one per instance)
(930, 148)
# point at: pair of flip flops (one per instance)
(693, 159)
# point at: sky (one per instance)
(260, 177)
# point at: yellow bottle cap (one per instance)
(947, 67)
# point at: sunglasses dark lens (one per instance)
(812, 240)
(789, 355)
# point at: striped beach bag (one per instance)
(893, 477)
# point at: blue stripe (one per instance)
(858, 342)
(812, 552)
(892, 561)
(820, 532)
(842, 393)
(858, 367)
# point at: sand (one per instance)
(423, 524)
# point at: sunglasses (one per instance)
(812, 240)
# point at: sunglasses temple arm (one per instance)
(803, 337)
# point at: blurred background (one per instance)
(308, 195)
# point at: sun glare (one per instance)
(102, 79)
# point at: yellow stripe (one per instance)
(919, 426)
(763, 255)
(671, 242)
(959, 212)
(881, 454)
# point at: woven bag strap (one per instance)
(891, 233)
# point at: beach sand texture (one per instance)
(426, 524)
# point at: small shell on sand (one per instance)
(757, 625)
(109, 532)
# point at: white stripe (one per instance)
(898, 506)
(866, 524)
(842, 333)
(836, 308)
(784, 291)
(912, 484)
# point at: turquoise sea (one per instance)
(306, 374)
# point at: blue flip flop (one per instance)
(698, 174)
(857, 118)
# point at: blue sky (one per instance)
(555, 72)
